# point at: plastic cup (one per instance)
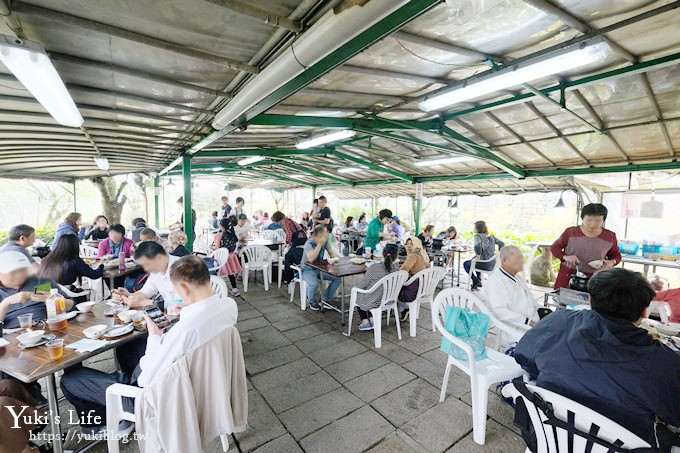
(55, 348)
(58, 323)
(26, 321)
(138, 319)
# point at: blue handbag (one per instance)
(469, 326)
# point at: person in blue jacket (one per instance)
(601, 358)
(70, 225)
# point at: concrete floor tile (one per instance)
(407, 402)
(296, 319)
(262, 362)
(353, 433)
(322, 341)
(276, 312)
(282, 444)
(252, 323)
(441, 426)
(337, 353)
(319, 412)
(379, 382)
(294, 393)
(398, 441)
(356, 366)
(497, 409)
(498, 439)
(247, 314)
(307, 331)
(263, 426)
(285, 373)
(459, 384)
(390, 351)
(263, 340)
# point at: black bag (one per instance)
(408, 293)
(41, 252)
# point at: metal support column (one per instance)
(186, 176)
(416, 214)
(75, 204)
(313, 191)
(156, 193)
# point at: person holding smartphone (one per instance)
(202, 316)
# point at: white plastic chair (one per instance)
(73, 294)
(303, 287)
(273, 234)
(391, 285)
(514, 332)
(474, 269)
(256, 257)
(427, 279)
(219, 287)
(484, 373)
(87, 252)
(662, 308)
(551, 439)
(221, 256)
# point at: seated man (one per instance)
(203, 316)
(313, 252)
(19, 238)
(156, 262)
(149, 234)
(601, 359)
(507, 293)
(18, 290)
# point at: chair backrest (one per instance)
(552, 439)
(271, 234)
(219, 286)
(515, 333)
(391, 285)
(220, 255)
(87, 252)
(256, 254)
(494, 259)
(428, 279)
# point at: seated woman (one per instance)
(64, 264)
(485, 249)
(426, 236)
(226, 239)
(416, 260)
(116, 243)
(99, 229)
(365, 302)
(397, 228)
(177, 241)
(362, 224)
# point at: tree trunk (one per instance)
(141, 183)
(112, 195)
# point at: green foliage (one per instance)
(44, 233)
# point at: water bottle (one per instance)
(121, 261)
(51, 304)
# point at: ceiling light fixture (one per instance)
(264, 182)
(30, 64)
(349, 169)
(250, 160)
(102, 163)
(442, 161)
(170, 183)
(325, 138)
(297, 175)
(565, 59)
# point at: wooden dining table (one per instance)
(29, 365)
(340, 269)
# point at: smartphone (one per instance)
(45, 287)
(157, 316)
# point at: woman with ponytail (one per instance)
(366, 302)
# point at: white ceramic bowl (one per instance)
(31, 337)
(85, 307)
(671, 329)
(94, 332)
(126, 316)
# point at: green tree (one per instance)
(113, 198)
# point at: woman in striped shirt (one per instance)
(366, 302)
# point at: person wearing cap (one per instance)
(20, 238)
(376, 229)
(18, 294)
(397, 228)
(243, 227)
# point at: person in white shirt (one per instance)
(157, 263)
(202, 316)
(507, 292)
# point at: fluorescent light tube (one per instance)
(349, 169)
(264, 182)
(250, 160)
(102, 163)
(442, 161)
(297, 175)
(32, 67)
(326, 138)
(565, 59)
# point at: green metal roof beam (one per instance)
(372, 165)
(315, 173)
(261, 152)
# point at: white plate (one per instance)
(119, 331)
(70, 314)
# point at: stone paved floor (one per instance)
(313, 389)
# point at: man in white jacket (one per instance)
(509, 297)
(203, 316)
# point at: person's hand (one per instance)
(18, 298)
(40, 296)
(119, 294)
(151, 326)
(571, 259)
(607, 264)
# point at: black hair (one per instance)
(66, 248)
(481, 228)
(319, 229)
(316, 201)
(17, 231)
(620, 293)
(96, 219)
(594, 209)
(148, 232)
(349, 219)
(277, 216)
(118, 228)
(362, 216)
(190, 269)
(390, 254)
(240, 200)
(214, 213)
(385, 213)
(429, 227)
(180, 199)
(149, 249)
(138, 222)
(323, 197)
(227, 222)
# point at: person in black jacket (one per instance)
(99, 229)
(601, 358)
(64, 265)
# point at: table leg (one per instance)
(57, 445)
(458, 270)
(645, 270)
(342, 301)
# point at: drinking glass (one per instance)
(138, 319)
(26, 321)
(55, 348)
